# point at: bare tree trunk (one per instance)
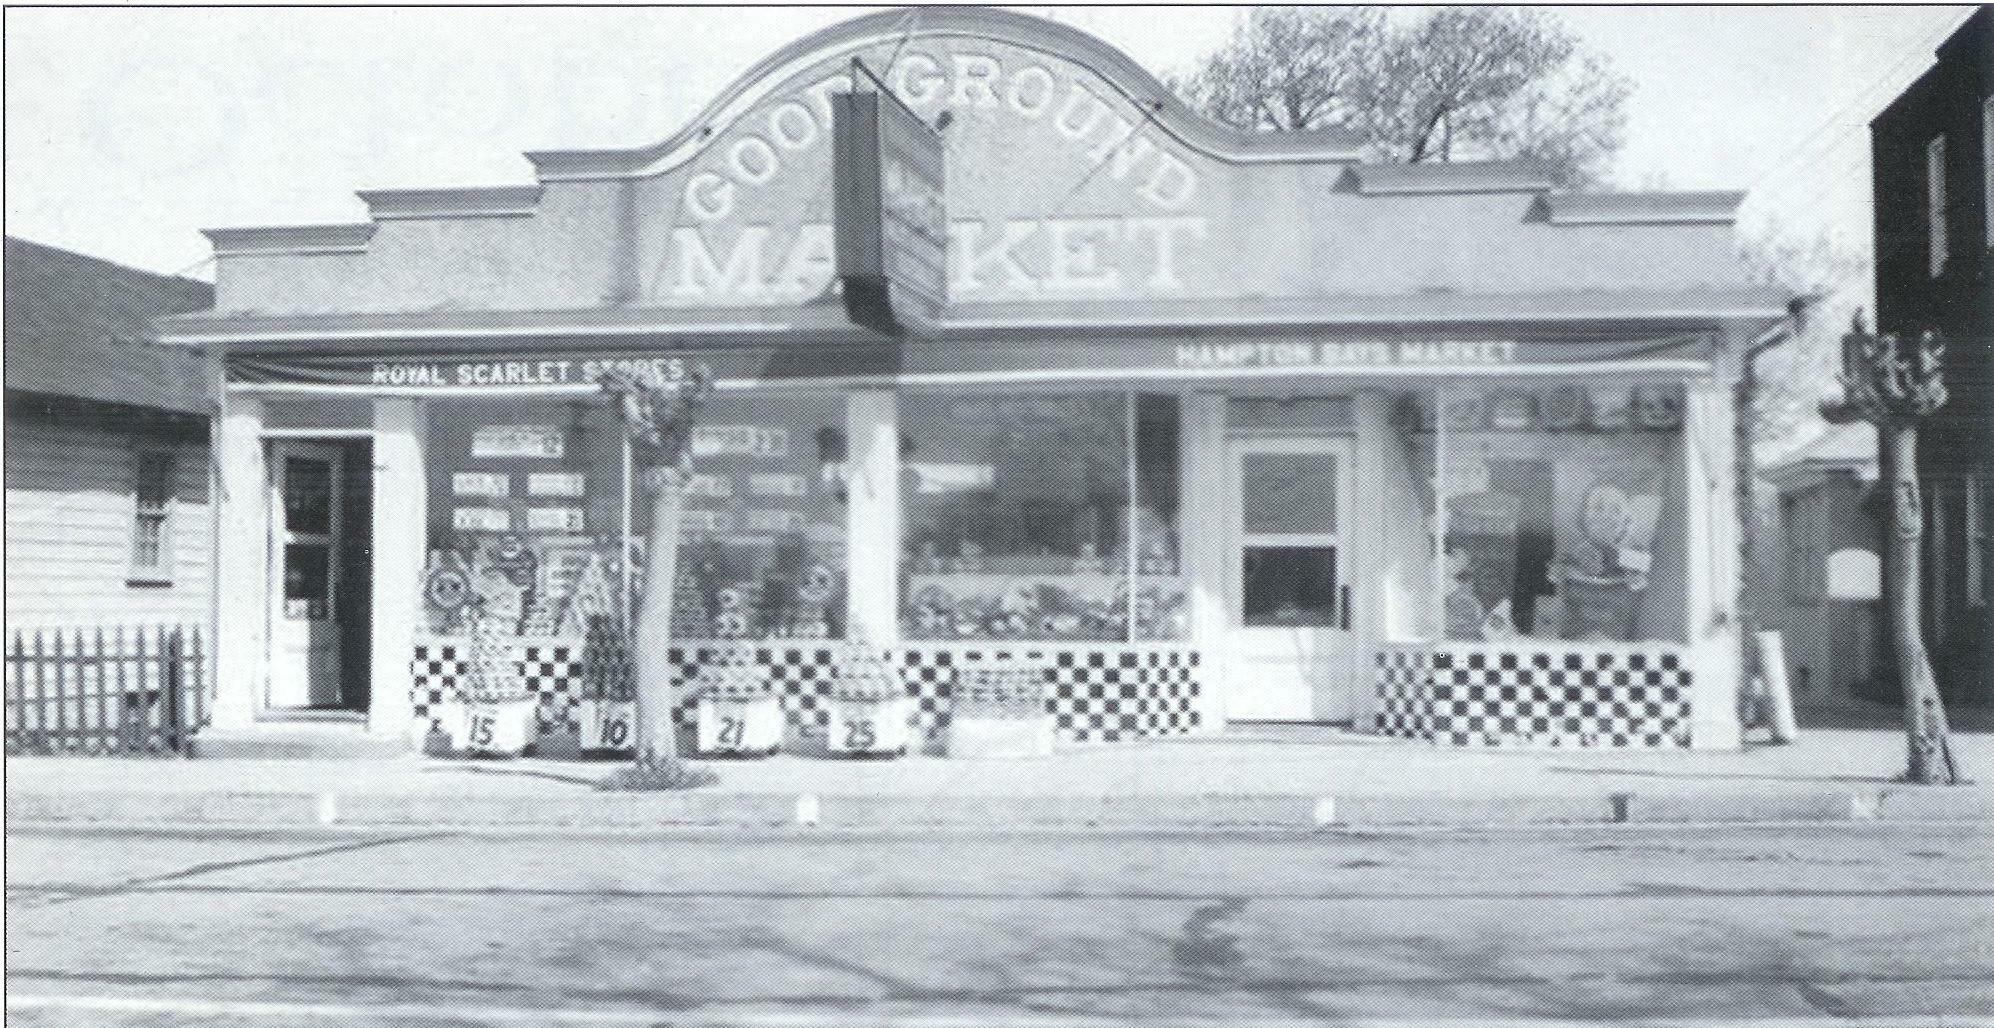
(1930, 743)
(656, 738)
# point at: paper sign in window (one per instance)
(481, 519)
(554, 519)
(778, 485)
(480, 483)
(773, 521)
(545, 441)
(750, 440)
(556, 483)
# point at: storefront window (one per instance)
(537, 497)
(526, 497)
(1019, 524)
(1563, 512)
(762, 538)
(1162, 599)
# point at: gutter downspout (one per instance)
(1746, 451)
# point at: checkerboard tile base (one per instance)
(1094, 692)
(1584, 696)
(1403, 677)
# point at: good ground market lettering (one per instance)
(720, 256)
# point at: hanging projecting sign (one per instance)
(888, 223)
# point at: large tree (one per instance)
(1453, 83)
(658, 416)
(1895, 384)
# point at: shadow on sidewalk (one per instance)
(1631, 772)
(513, 772)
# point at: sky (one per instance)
(129, 130)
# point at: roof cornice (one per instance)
(1712, 207)
(1447, 177)
(462, 202)
(290, 240)
(1584, 313)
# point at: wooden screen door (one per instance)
(305, 534)
(1289, 646)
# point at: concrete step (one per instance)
(297, 741)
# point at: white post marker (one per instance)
(328, 807)
(1779, 692)
(1325, 811)
(806, 810)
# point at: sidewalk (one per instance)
(1268, 779)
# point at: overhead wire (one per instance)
(1946, 24)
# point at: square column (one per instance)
(242, 564)
(1709, 447)
(872, 516)
(401, 525)
(1202, 545)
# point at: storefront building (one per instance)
(1222, 427)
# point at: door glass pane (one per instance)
(1288, 493)
(308, 495)
(1289, 586)
(307, 580)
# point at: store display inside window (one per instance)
(531, 492)
(1018, 523)
(764, 551)
(1557, 501)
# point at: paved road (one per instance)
(1715, 925)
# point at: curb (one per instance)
(1157, 812)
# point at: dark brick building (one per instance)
(1932, 179)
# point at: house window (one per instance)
(1976, 539)
(152, 539)
(1935, 202)
(1987, 167)
(1938, 556)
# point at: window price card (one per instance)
(518, 441)
(706, 521)
(554, 519)
(778, 485)
(717, 487)
(480, 483)
(481, 519)
(556, 483)
(780, 521)
(750, 440)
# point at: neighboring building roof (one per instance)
(1966, 46)
(1849, 448)
(81, 327)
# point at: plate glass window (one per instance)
(152, 546)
